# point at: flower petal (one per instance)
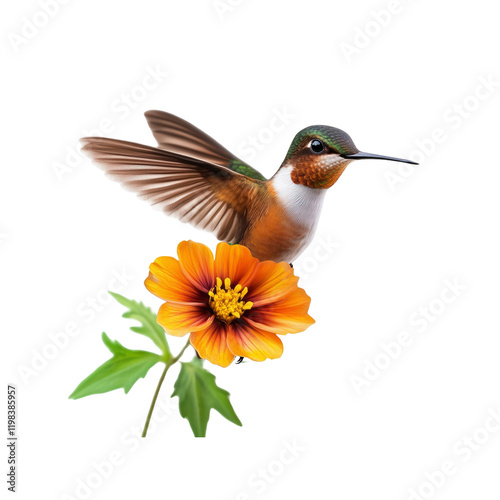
(211, 344)
(253, 343)
(234, 262)
(167, 281)
(287, 315)
(270, 281)
(179, 319)
(197, 263)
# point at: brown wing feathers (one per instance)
(175, 134)
(207, 195)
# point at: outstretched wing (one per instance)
(195, 190)
(175, 134)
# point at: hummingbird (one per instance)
(193, 177)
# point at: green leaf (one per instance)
(198, 393)
(150, 328)
(123, 370)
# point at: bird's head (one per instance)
(319, 154)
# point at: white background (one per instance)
(388, 240)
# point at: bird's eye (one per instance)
(317, 146)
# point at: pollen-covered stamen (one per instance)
(227, 302)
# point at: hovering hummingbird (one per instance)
(193, 177)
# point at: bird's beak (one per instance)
(369, 156)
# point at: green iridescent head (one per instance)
(332, 139)
(319, 154)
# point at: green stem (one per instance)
(162, 378)
(160, 382)
(174, 360)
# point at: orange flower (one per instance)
(233, 305)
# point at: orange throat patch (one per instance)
(318, 174)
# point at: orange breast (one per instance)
(273, 236)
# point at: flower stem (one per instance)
(168, 364)
(162, 378)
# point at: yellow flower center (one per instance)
(227, 302)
